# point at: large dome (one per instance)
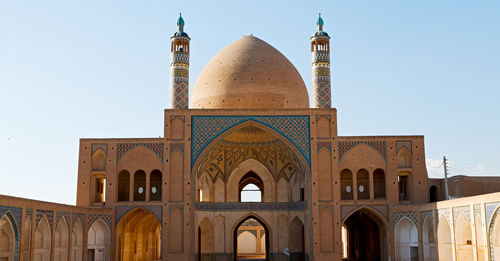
(249, 74)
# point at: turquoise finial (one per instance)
(320, 22)
(180, 23)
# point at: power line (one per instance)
(435, 166)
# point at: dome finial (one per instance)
(180, 23)
(320, 22)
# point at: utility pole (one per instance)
(445, 164)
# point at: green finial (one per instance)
(180, 23)
(320, 22)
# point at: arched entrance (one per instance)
(433, 194)
(251, 240)
(138, 236)
(365, 236)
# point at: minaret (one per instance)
(320, 49)
(179, 68)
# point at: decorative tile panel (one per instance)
(173, 117)
(102, 146)
(123, 148)
(490, 208)
(177, 147)
(205, 129)
(458, 210)
(106, 218)
(60, 215)
(397, 216)
(29, 212)
(48, 213)
(123, 210)
(324, 145)
(403, 144)
(326, 206)
(379, 146)
(425, 214)
(445, 212)
(77, 216)
(250, 206)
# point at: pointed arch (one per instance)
(404, 158)
(198, 156)
(138, 236)
(8, 238)
(98, 240)
(206, 240)
(61, 238)
(297, 189)
(406, 240)
(463, 238)
(296, 241)
(259, 237)
(445, 243)
(366, 235)
(77, 241)
(428, 241)
(43, 237)
(245, 167)
(99, 160)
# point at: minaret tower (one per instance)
(320, 49)
(179, 68)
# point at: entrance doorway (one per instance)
(251, 240)
(139, 236)
(364, 238)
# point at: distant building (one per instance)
(247, 169)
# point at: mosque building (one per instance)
(249, 169)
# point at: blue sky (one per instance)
(91, 69)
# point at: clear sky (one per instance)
(100, 69)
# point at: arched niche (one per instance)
(43, 237)
(77, 241)
(445, 243)
(206, 239)
(296, 242)
(346, 189)
(379, 187)
(297, 190)
(363, 184)
(140, 185)
(99, 160)
(205, 188)
(463, 238)
(428, 241)
(7, 239)
(155, 185)
(404, 158)
(123, 185)
(98, 241)
(61, 238)
(406, 240)
(250, 165)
